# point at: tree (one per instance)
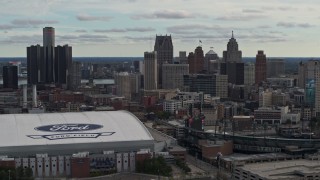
(24, 173)
(28, 173)
(20, 172)
(288, 121)
(3, 175)
(155, 166)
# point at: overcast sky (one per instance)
(128, 27)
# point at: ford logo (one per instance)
(68, 127)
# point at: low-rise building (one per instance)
(242, 123)
(281, 82)
(171, 106)
(269, 115)
(211, 149)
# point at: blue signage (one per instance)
(68, 127)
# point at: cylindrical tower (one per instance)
(48, 37)
(48, 45)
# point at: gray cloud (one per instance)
(286, 24)
(86, 17)
(200, 28)
(252, 11)
(82, 39)
(292, 25)
(165, 14)
(305, 25)
(287, 8)
(81, 31)
(23, 23)
(136, 29)
(264, 27)
(279, 8)
(188, 29)
(139, 39)
(6, 26)
(240, 17)
(109, 30)
(32, 22)
(22, 39)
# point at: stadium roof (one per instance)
(51, 129)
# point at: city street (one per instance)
(206, 167)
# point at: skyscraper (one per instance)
(215, 85)
(210, 56)
(306, 72)
(122, 82)
(309, 79)
(232, 54)
(48, 37)
(275, 67)
(62, 63)
(249, 74)
(196, 61)
(235, 72)
(49, 64)
(173, 75)
(232, 64)
(150, 70)
(36, 66)
(164, 48)
(48, 45)
(261, 67)
(10, 77)
(74, 76)
(183, 57)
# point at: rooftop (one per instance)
(70, 128)
(284, 169)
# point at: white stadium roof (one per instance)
(72, 132)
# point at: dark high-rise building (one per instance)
(232, 64)
(196, 61)
(36, 65)
(136, 65)
(49, 64)
(215, 85)
(235, 72)
(10, 77)
(150, 70)
(164, 48)
(232, 54)
(63, 63)
(261, 67)
(48, 46)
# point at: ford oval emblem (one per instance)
(68, 127)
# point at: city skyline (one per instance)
(129, 27)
